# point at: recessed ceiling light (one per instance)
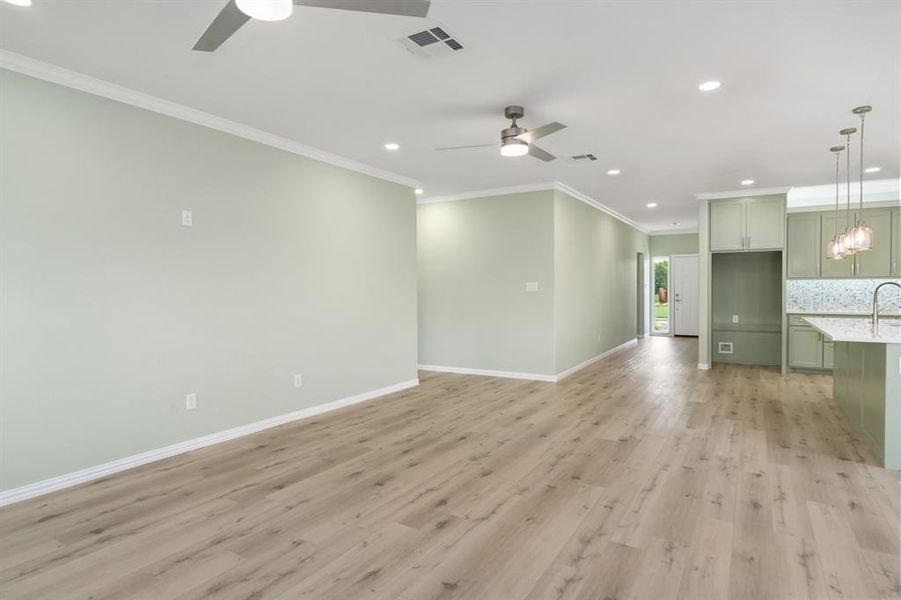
(614, 172)
(709, 86)
(652, 205)
(19, 2)
(418, 191)
(265, 10)
(872, 169)
(392, 146)
(747, 182)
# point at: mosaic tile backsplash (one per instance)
(840, 296)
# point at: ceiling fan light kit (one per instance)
(266, 10)
(513, 147)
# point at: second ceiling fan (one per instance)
(518, 141)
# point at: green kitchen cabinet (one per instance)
(803, 245)
(878, 261)
(727, 225)
(896, 242)
(828, 355)
(765, 216)
(742, 224)
(805, 348)
(828, 266)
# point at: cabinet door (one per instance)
(828, 355)
(765, 221)
(829, 267)
(896, 242)
(805, 348)
(803, 251)
(727, 224)
(878, 261)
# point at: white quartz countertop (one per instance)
(843, 313)
(858, 329)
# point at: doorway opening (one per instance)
(660, 311)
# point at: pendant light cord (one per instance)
(835, 229)
(860, 214)
(848, 181)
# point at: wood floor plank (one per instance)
(639, 477)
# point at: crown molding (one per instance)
(660, 232)
(85, 83)
(546, 186)
(500, 191)
(854, 207)
(585, 198)
(742, 193)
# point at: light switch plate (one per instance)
(298, 381)
(735, 318)
(187, 218)
(531, 286)
(191, 401)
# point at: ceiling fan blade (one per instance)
(464, 147)
(539, 153)
(228, 21)
(534, 134)
(406, 8)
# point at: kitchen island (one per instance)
(867, 380)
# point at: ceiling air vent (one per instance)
(433, 42)
(585, 157)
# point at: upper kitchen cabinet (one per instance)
(878, 261)
(742, 224)
(803, 245)
(727, 225)
(765, 219)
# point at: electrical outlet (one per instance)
(191, 401)
(735, 318)
(187, 218)
(599, 338)
(298, 381)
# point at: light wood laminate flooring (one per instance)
(638, 477)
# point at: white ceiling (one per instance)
(622, 75)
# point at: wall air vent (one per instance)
(725, 348)
(585, 157)
(433, 42)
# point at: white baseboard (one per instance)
(529, 376)
(594, 359)
(489, 373)
(704, 366)
(53, 484)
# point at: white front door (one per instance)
(684, 275)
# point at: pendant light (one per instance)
(861, 234)
(845, 238)
(833, 248)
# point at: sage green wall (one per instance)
(667, 245)
(112, 311)
(595, 281)
(475, 257)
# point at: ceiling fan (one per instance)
(238, 12)
(517, 141)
